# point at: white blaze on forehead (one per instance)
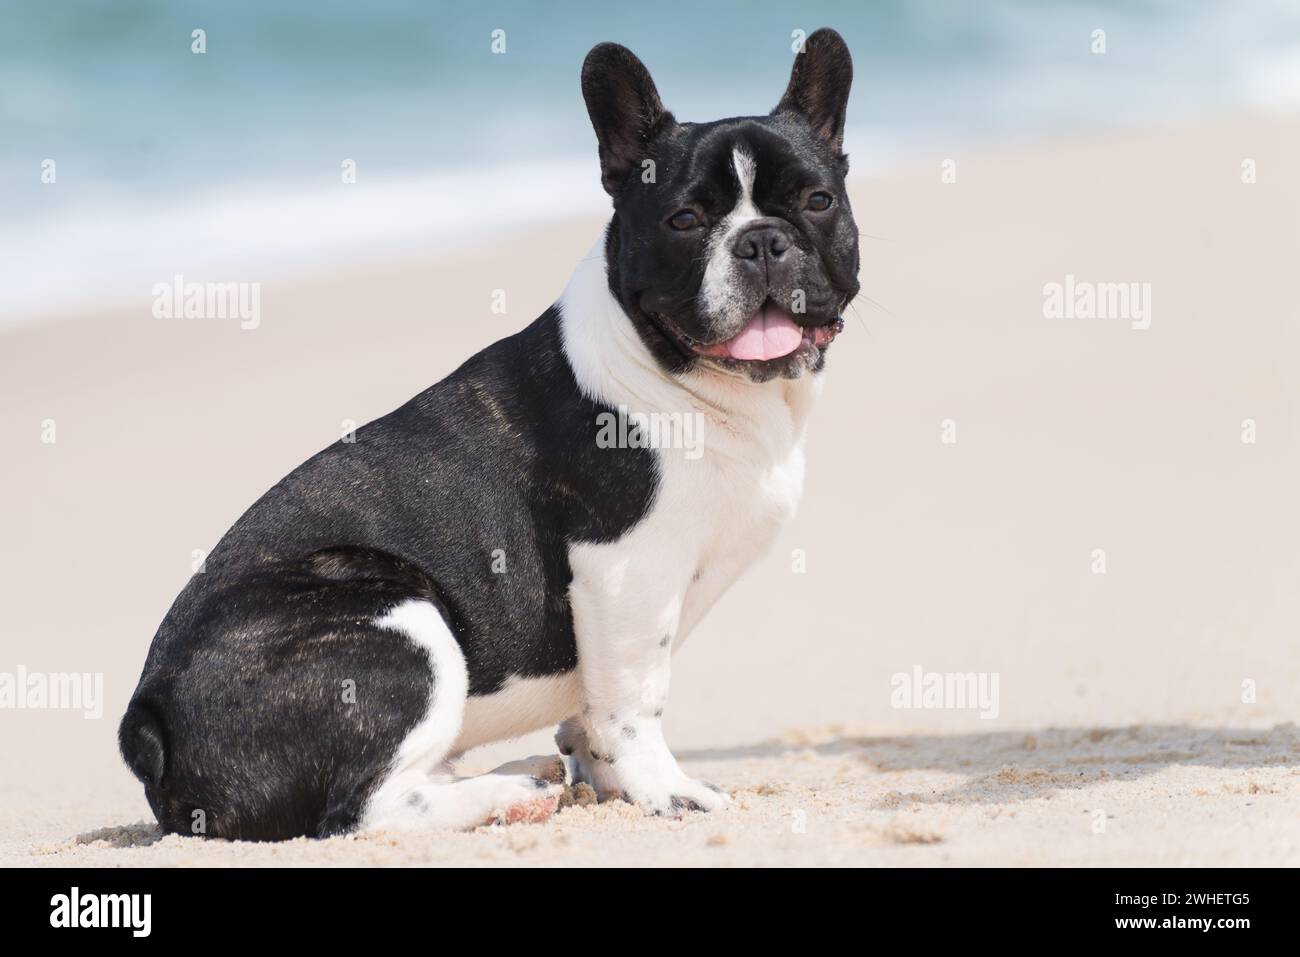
(745, 170)
(716, 289)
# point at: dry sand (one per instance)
(1122, 736)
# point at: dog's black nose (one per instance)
(760, 240)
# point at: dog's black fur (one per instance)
(239, 713)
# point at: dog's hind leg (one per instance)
(419, 791)
(463, 803)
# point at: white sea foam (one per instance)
(111, 253)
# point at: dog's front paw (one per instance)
(675, 796)
(636, 768)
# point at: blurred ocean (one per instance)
(226, 165)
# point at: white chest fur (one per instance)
(720, 502)
(715, 514)
(721, 499)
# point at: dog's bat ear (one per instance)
(819, 86)
(624, 107)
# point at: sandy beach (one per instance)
(970, 459)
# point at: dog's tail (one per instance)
(144, 746)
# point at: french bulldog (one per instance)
(527, 542)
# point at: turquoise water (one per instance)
(144, 131)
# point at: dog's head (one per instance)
(732, 244)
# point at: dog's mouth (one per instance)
(770, 336)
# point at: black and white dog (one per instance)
(476, 564)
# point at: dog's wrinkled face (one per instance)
(732, 246)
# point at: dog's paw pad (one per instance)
(530, 812)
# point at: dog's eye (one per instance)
(820, 202)
(684, 219)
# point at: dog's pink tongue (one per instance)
(772, 333)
